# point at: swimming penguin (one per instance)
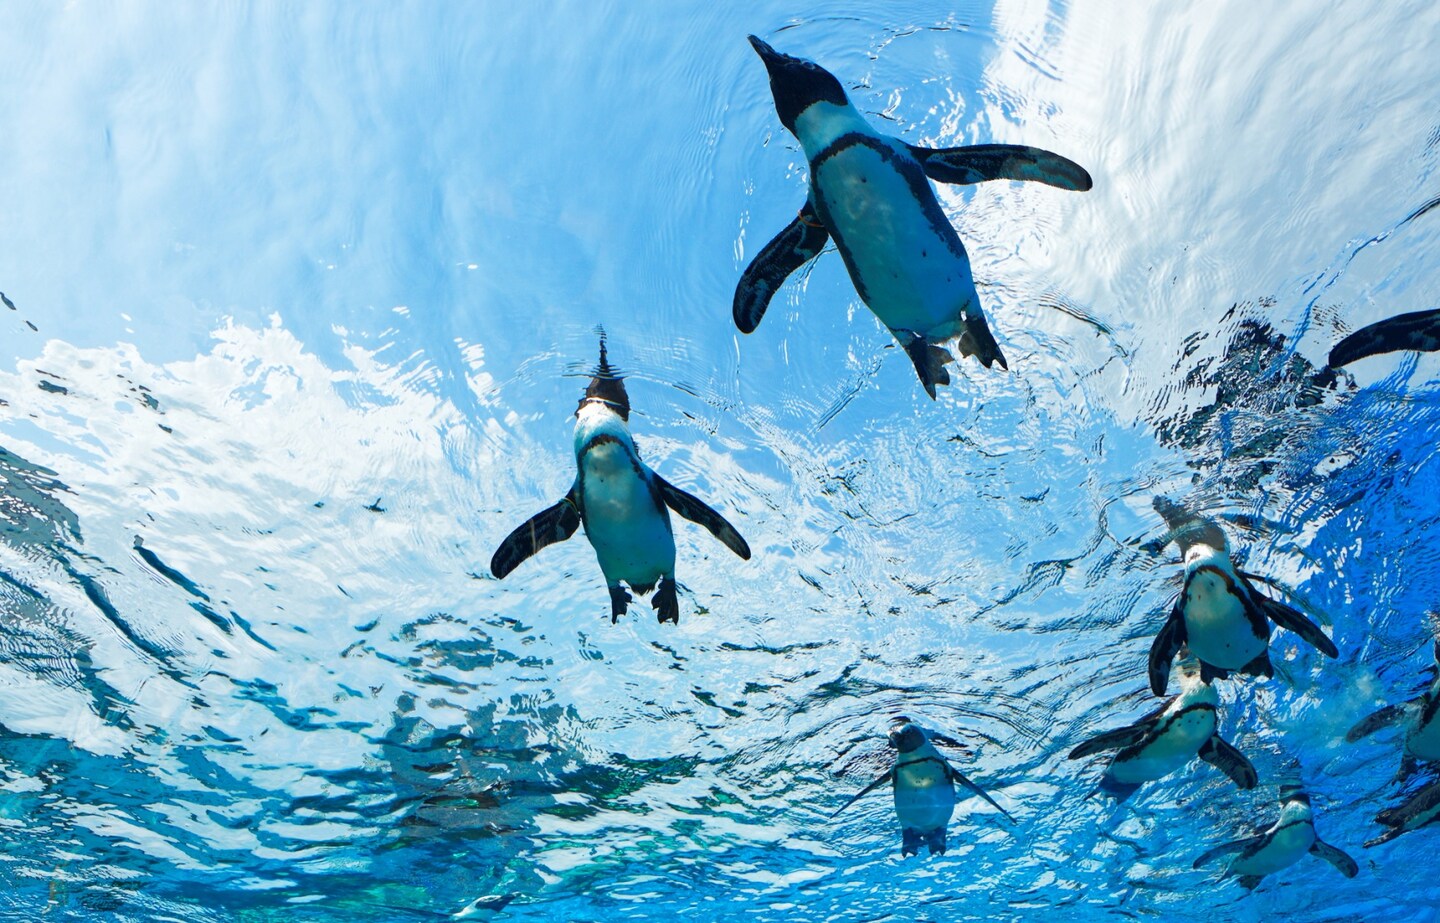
(1421, 809)
(1219, 613)
(869, 192)
(623, 505)
(1422, 724)
(1280, 846)
(1167, 739)
(924, 783)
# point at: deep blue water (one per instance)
(305, 296)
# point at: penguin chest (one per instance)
(1286, 847)
(1423, 741)
(628, 530)
(1175, 745)
(924, 795)
(1218, 626)
(904, 257)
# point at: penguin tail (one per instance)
(978, 341)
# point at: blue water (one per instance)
(305, 296)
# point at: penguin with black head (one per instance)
(623, 505)
(871, 194)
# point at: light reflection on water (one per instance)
(273, 423)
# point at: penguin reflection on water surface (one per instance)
(1281, 845)
(1167, 739)
(623, 505)
(924, 787)
(1219, 613)
(870, 193)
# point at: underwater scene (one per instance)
(614, 460)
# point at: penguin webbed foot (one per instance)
(909, 842)
(930, 361)
(619, 602)
(666, 603)
(1249, 882)
(978, 341)
(936, 841)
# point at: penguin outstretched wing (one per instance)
(1120, 738)
(696, 510)
(1418, 330)
(1167, 644)
(982, 162)
(1336, 857)
(1291, 619)
(800, 242)
(889, 776)
(1385, 717)
(547, 527)
(1230, 761)
(958, 776)
(1424, 801)
(1247, 845)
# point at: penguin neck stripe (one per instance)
(847, 141)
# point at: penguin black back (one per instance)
(607, 387)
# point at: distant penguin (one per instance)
(1167, 739)
(1281, 845)
(869, 192)
(1420, 809)
(623, 505)
(1219, 613)
(924, 786)
(1421, 717)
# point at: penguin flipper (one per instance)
(547, 527)
(1167, 644)
(1336, 857)
(981, 162)
(1291, 619)
(888, 776)
(1225, 849)
(1427, 799)
(800, 242)
(1117, 739)
(1230, 761)
(1382, 718)
(1418, 330)
(958, 776)
(696, 510)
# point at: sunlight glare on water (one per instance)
(304, 298)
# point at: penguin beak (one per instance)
(775, 62)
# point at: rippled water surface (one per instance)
(305, 296)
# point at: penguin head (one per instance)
(797, 84)
(905, 736)
(606, 387)
(1189, 529)
(1293, 791)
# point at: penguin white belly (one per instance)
(1216, 626)
(1285, 848)
(1423, 742)
(911, 276)
(924, 796)
(1179, 743)
(631, 536)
